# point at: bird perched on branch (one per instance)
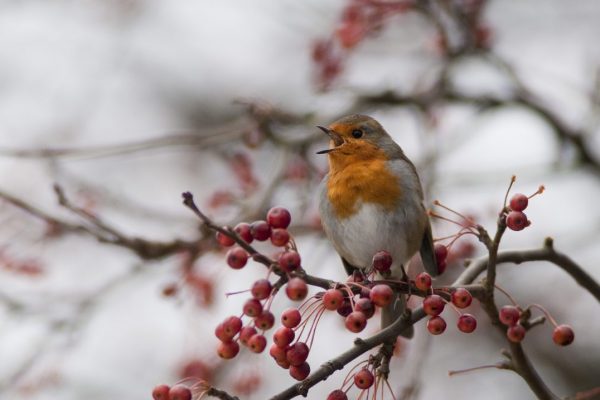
(372, 200)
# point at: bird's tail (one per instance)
(393, 311)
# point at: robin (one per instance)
(372, 200)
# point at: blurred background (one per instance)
(126, 104)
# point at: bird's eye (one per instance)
(357, 133)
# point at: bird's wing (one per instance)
(427, 252)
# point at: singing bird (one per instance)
(372, 200)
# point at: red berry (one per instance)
(260, 230)
(227, 329)
(265, 320)
(278, 353)
(297, 353)
(285, 364)
(289, 261)
(441, 252)
(563, 335)
(261, 289)
(279, 217)
(291, 317)
(224, 240)
(280, 237)
(300, 372)
(228, 350)
(257, 343)
(436, 325)
(509, 315)
(337, 395)
(252, 307)
(382, 261)
(246, 333)
(433, 305)
(381, 295)
(364, 379)
(345, 309)
(518, 202)
(180, 392)
(283, 337)
(515, 333)
(356, 321)
(516, 220)
(441, 266)
(296, 289)
(243, 229)
(333, 299)
(423, 281)
(237, 258)
(461, 298)
(365, 306)
(467, 323)
(161, 392)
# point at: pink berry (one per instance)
(441, 266)
(283, 337)
(333, 299)
(423, 281)
(257, 343)
(224, 240)
(261, 289)
(243, 229)
(291, 317)
(515, 333)
(461, 298)
(246, 333)
(563, 335)
(252, 308)
(296, 289)
(356, 321)
(297, 353)
(280, 237)
(433, 305)
(278, 353)
(337, 395)
(228, 350)
(509, 315)
(518, 202)
(382, 261)
(260, 230)
(289, 261)
(365, 306)
(467, 323)
(516, 220)
(279, 217)
(237, 258)
(180, 392)
(300, 372)
(364, 379)
(161, 392)
(436, 325)
(381, 295)
(227, 329)
(265, 320)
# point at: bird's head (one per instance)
(358, 138)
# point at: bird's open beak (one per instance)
(334, 136)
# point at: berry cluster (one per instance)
(359, 19)
(434, 305)
(166, 392)
(516, 219)
(514, 317)
(232, 331)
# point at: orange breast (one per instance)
(354, 178)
